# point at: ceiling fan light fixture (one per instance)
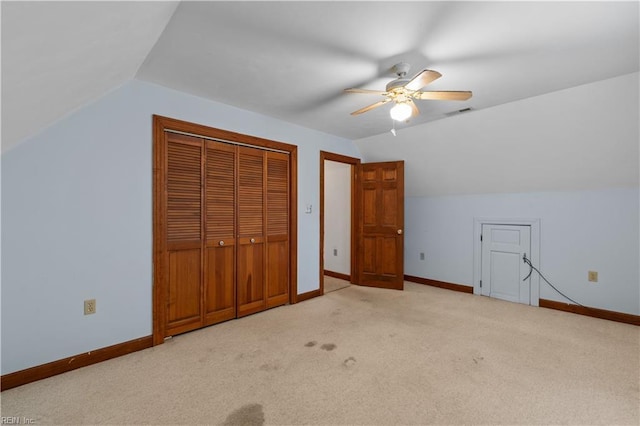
(402, 91)
(401, 111)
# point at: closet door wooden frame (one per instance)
(275, 246)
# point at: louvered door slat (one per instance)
(250, 192)
(220, 191)
(277, 194)
(183, 192)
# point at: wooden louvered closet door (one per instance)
(220, 244)
(277, 229)
(251, 241)
(183, 256)
(227, 246)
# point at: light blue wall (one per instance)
(77, 219)
(568, 158)
(579, 231)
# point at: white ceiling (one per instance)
(291, 60)
(59, 56)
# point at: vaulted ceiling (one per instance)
(292, 60)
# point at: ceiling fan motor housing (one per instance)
(400, 69)
(398, 82)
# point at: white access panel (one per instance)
(503, 270)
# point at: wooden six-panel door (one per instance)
(381, 239)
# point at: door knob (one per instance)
(221, 243)
(399, 231)
(253, 240)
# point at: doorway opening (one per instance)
(377, 222)
(337, 218)
(337, 210)
(499, 270)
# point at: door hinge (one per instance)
(480, 283)
(480, 237)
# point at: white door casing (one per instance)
(503, 269)
(533, 254)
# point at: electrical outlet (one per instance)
(90, 306)
(593, 276)
(421, 256)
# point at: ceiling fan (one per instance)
(402, 91)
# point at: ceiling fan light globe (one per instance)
(400, 111)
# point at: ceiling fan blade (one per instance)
(444, 96)
(421, 79)
(372, 92)
(370, 107)
(414, 108)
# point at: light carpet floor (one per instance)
(334, 284)
(363, 356)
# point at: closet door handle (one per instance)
(221, 243)
(253, 240)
